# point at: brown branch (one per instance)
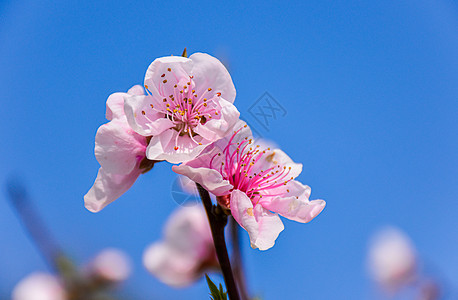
(218, 220)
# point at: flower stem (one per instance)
(237, 260)
(218, 220)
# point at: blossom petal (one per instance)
(393, 259)
(115, 102)
(162, 147)
(118, 148)
(216, 129)
(179, 67)
(209, 179)
(144, 119)
(297, 209)
(187, 230)
(115, 106)
(209, 72)
(295, 205)
(136, 90)
(40, 286)
(170, 266)
(111, 265)
(262, 226)
(244, 133)
(107, 188)
(278, 157)
(187, 249)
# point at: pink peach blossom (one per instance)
(39, 286)
(255, 182)
(110, 265)
(186, 251)
(188, 106)
(120, 152)
(392, 259)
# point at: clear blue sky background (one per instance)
(371, 94)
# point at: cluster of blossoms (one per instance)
(109, 268)
(256, 183)
(185, 116)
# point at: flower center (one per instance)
(242, 168)
(185, 107)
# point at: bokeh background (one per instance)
(371, 94)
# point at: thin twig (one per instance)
(218, 220)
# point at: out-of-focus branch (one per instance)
(33, 224)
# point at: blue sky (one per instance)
(371, 99)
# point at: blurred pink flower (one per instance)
(188, 106)
(253, 181)
(120, 152)
(186, 251)
(392, 259)
(39, 286)
(110, 265)
(187, 185)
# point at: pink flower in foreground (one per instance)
(392, 259)
(255, 182)
(110, 265)
(39, 286)
(120, 152)
(186, 251)
(188, 106)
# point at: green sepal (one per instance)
(215, 293)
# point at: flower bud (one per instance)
(39, 286)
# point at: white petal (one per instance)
(188, 246)
(294, 204)
(118, 148)
(218, 128)
(162, 147)
(115, 102)
(392, 258)
(188, 231)
(180, 67)
(142, 118)
(209, 179)
(39, 286)
(136, 90)
(111, 265)
(115, 106)
(277, 157)
(107, 188)
(209, 72)
(170, 266)
(262, 226)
